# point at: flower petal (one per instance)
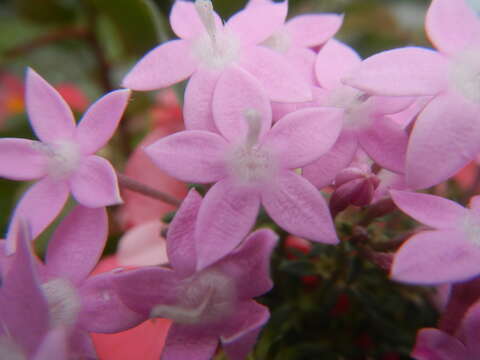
(77, 244)
(409, 71)
(227, 214)
(436, 257)
(49, 114)
(21, 159)
(430, 210)
(299, 208)
(304, 135)
(54, 346)
(165, 65)
(444, 139)
(452, 25)
(198, 156)
(471, 329)
(236, 93)
(185, 21)
(304, 60)
(101, 120)
(434, 344)
(281, 82)
(182, 343)
(95, 183)
(313, 29)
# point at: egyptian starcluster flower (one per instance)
(207, 305)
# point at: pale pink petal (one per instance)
(281, 82)
(165, 65)
(382, 105)
(49, 114)
(409, 71)
(313, 29)
(77, 244)
(452, 26)
(323, 171)
(255, 24)
(182, 343)
(197, 108)
(386, 143)
(304, 60)
(237, 92)
(101, 120)
(181, 240)
(304, 135)
(299, 208)
(434, 344)
(191, 156)
(53, 346)
(320, 98)
(335, 60)
(22, 159)
(444, 139)
(227, 214)
(430, 210)
(474, 204)
(185, 21)
(436, 257)
(95, 183)
(143, 245)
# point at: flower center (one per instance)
(351, 100)
(63, 158)
(63, 301)
(465, 74)
(279, 41)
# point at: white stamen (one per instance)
(254, 121)
(63, 301)
(63, 157)
(205, 12)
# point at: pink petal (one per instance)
(254, 25)
(335, 60)
(435, 257)
(181, 244)
(444, 139)
(182, 343)
(227, 214)
(95, 183)
(409, 71)
(452, 26)
(471, 329)
(430, 210)
(236, 93)
(199, 156)
(313, 29)
(304, 135)
(22, 159)
(299, 208)
(281, 82)
(101, 120)
(49, 114)
(320, 97)
(53, 346)
(434, 344)
(165, 65)
(197, 109)
(143, 245)
(474, 204)
(386, 143)
(185, 21)
(323, 171)
(77, 244)
(304, 60)
(245, 327)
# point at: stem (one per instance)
(134, 185)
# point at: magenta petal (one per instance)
(254, 25)
(197, 109)
(452, 26)
(323, 171)
(304, 135)
(435, 257)
(409, 71)
(313, 29)
(22, 159)
(434, 344)
(236, 93)
(54, 346)
(185, 21)
(165, 65)
(101, 120)
(227, 214)
(50, 116)
(102, 309)
(95, 183)
(281, 82)
(191, 156)
(183, 343)
(180, 236)
(245, 327)
(299, 208)
(430, 210)
(77, 244)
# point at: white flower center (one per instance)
(204, 298)
(63, 301)
(279, 41)
(63, 157)
(351, 100)
(465, 74)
